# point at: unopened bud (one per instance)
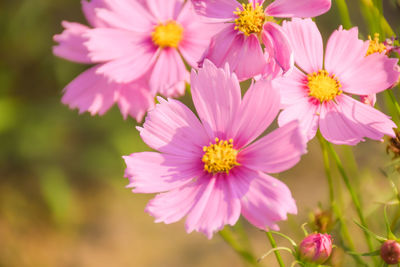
(394, 145)
(316, 248)
(322, 221)
(390, 252)
(368, 99)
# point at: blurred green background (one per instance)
(63, 200)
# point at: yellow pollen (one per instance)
(250, 20)
(220, 157)
(323, 86)
(167, 35)
(375, 46)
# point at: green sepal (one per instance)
(389, 232)
(286, 237)
(276, 249)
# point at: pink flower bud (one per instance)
(368, 99)
(316, 248)
(390, 252)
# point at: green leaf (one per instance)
(377, 237)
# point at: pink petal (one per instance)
(216, 95)
(298, 8)
(89, 9)
(271, 70)
(127, 15)
(132, 66)
(196, 34)
(164, 10)
(249, 60)
(172, 206)
(371, 75)
(276, 152)
(134, 100)
(267, 202)
(220, 45)
(338, 59)
(219, 9)
(336, 128)
(217, 206)
(90, 92)
(368, 116)
(243, 53)
(254, 2)
(291, 87)
(71, 43)
(306, 112)
(107, 44)
(257, 111)
(151, 172)
(306, 42)
(349, 121)
(277, 45)
(173, 128)
(169, 74)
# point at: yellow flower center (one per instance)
(167, 35)
(250, 20)
(220, 157)
(375, 46)
(323, 86)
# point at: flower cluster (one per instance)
(214, 167)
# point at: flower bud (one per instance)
(390, 252)
(369, 100)
(316, 248)
(322, 221)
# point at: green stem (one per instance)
(242, 235)
(325, 157)
(353, 195)
(273, 244)
(394, 101)
(229, 238)
(343, 227)
(391, 107)
(344, 13)
(372, 15)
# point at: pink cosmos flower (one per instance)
(212, 170)
(138, 48)
(317, 90)
(245, 24)
(375, 46)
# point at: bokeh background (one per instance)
(63, 200)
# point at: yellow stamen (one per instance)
(250, 20)
(323, 86)
(375, 46)
(220, 157)
(167, 35)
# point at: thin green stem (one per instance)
(336, 210)
(246, 255)
(277, 254)
(328, 175)
(353, 195)
(344, 13)
(394, 101)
